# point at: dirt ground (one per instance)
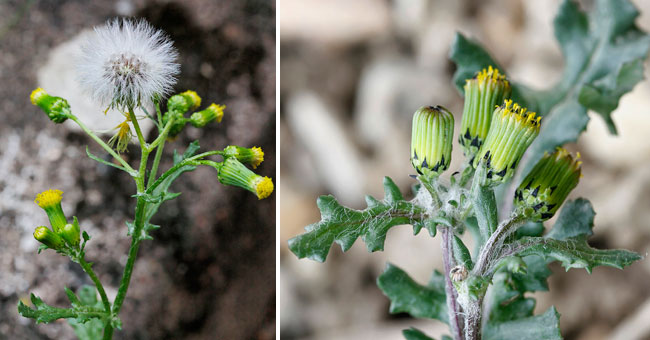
(210, 270)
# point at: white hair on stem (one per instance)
(127, 63)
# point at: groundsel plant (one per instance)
(516, 176)
(129, 66)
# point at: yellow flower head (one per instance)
(37, 95)
(213, 112)
(258, 157)
(49, 198)
(193, 99)
(263, 187)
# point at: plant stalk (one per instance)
(455, 316)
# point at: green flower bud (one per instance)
(71, 233)
(177, 106)
(47, 237)
(178, 124)
(50, 201)
(254, 156)
(183, 102)
(431, 140)
(546, 187)
(233, 172)
(512, 130)
(482, 94)
(56, 108)
(213, 112)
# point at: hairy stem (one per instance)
(455, 318)
(491, 248)
(473, 317)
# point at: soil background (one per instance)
(210, 271)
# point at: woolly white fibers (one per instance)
(127, 63)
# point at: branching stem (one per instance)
(455, 317)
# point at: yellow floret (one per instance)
(264, 188)
(218, 111)
(258, 157)
(48, 198)
(36, 94)
(196, 99)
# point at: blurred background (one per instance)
(352, 74)
(210, 270)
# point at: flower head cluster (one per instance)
(127, 64)
(62, 232)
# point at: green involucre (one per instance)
(512, 130)
(483, 93)
(431, 140)
(546, 187)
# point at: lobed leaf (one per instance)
(415, 334)
(575, 253)
(44, 313)
(407, 296)
(344, 225)
(538, 327)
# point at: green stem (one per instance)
(156, 163)
(139, 221)
(136, 126)
(163, 135)
(101, 143)
(100, 288)
(108, 332)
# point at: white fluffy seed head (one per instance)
(127, 63)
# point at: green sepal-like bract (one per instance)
(431, 140)
(483, 93)
(56, 108)
(546, 186)
(48, 237)
(512, 130)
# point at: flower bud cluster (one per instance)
(495, 134)
(62, 234)
(178, 105)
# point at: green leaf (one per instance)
(485, 210)
(97, 159)
(415, 334)
(189, 152)
(461, 253)
(470, 58)
(603, 53)
(576, 219)
(344, 225)
(159, 192)
(538, 327)
(44, 313)
(91, 328)
(508, 302)
(407, 296)
(574, 252)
